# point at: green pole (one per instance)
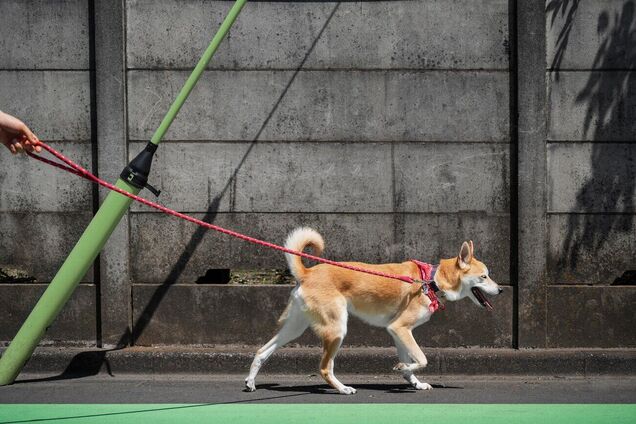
(95, 236)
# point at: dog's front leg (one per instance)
(409, 351)
(407, 373)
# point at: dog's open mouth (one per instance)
(479, 295)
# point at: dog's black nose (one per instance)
(500, 290)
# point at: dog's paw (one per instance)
(422, 386)
(346, 390)
(250, 385)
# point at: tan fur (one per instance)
(328, 294)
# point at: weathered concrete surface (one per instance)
(302, 361)
(44, 56)
(599, 106)
(74, 326)
(432, 237)
(249, 314)
(458, 34)
(529, 126)
(591, 198)
(348, 237)
(186, 253)
(31, 186)
(590, 249)
(112, 151)
(38, 243)
(275, 177)
(591, 316)
(325, 105)
(59, 102)
(591, 177)
(332, 177)
(589, 34)
(452, 177)
(37, 34)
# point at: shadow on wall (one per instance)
(556, 8)
(609, 98)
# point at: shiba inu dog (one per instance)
(325, 295)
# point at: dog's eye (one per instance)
(484, 277)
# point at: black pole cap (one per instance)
(137, 171)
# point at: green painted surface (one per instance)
(320, 413)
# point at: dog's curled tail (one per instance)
(298, 240)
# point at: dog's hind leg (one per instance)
(294, 324)
(409, 351)
(331, 327)
(330, 348)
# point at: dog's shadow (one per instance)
(325, 389)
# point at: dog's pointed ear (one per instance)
(465, 256)
(472, 248)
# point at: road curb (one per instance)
(236, 359)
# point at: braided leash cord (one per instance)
(76, 169)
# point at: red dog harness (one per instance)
(427, 275)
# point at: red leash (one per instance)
(74, 168)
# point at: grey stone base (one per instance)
(72, 362)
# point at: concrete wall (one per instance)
(591, 177)
(387, 141)
(44, 79)
(591, 150)
(398, 129)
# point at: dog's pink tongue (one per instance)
(488, 305)
(482, 298)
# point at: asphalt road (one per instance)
(228, 389)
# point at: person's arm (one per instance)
(16, 135)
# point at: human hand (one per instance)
(16, 135)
